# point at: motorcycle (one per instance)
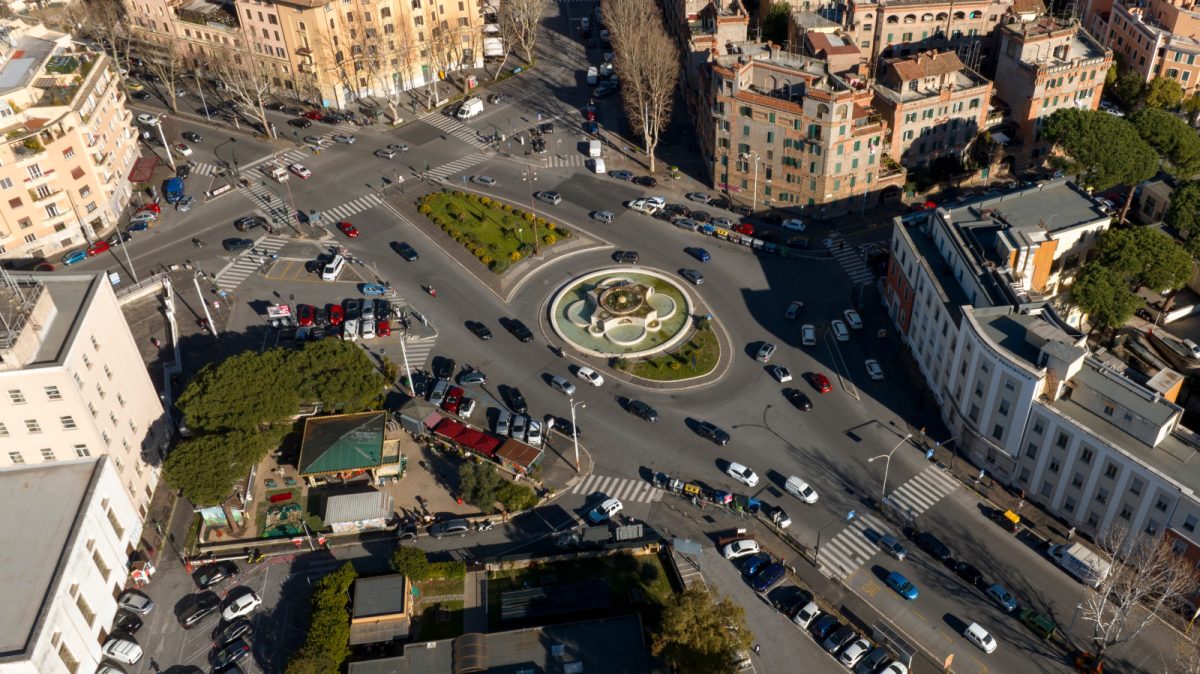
(484, 525)
(197, 242)
(430, 289)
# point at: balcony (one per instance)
(303, 51)
(101, 158)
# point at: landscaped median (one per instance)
(696, 357)
(496, 233)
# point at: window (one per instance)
(53, 393)
(100, 565)
(6, 184)
(997, 432)
(47, 454)
(1190, 523)
(1077, 480)
(1110, 470)
(1004, 404)
(81, 451)
(120, 399)
(1038, 426)
(1161, 504)
(16, 396)
(1109, 409)
(85, 610)
(16, 458)
(3, 431)
(1152, 527)
(1062, 440)
(1054, 466)
(68, 422)
(34, 171)
(117, 528)
(1125, 513)
(33, 426)
(67, 658)
(974, 415)
(1031, 451)
(1069, 505)
(112, 418)
(1102, 495)
(1135, 487)
(95, 344)
(1047, 489)
(1086, 455)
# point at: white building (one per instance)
(1086, 437)
(72, 382)
(68, 530)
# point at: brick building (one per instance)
(883, 28)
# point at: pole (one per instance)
(887, 465)
(754, 206)
(196, 74)
(574, 430)
(163, 137)
(233, 139)
(211, 325)
(412, 388)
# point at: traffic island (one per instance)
(695, 358)
(496, 233)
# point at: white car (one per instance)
(742, 474)
(642, 206)
(808, 335)
(466, 407)
(741, 548)
(801, 490)
(795, 224)
(590, 376)
(124, 651)
(839, 330)
(147, 120)
(183, 150)
(486, 181)
(368, 329)
(896, 667)
(243, 605)
(533, 436)
(350, 329)
(874, 370)
(780, 373)
(657, 202)
(803, 617)
(854, 652)
(853, 319)
(604, 511)
(300, 171)
(980, 637)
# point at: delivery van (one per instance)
(277, 173)
(598, 166)
(593, 148)
(333, 269)
(469, 108)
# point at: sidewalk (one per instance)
(475, 602)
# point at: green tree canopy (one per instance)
(1163, 93)
(1184, 214)
(699, 636)
(775, 23)
(206, 465)
(1103, 295)
(480, 484)
(328, 643)
(338, 373)
(241, 393)
(1191, 105)
(1172, 137)
(1146, 257)
(1130, 89)
(411, 562)
(1104, 150)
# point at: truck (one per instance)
(470, 107)
(594, 149)
(173, 190)
(1088, 566)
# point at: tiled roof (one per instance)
(1029, 7)
(927, 64)
(820, 42)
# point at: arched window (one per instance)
(910, 18)
(942, 16)
(959, 16)
(926, 17)
(841, 112)
(822, 111)
(893, 19)
(976, 14)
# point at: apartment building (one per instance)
(69, 531)
(1086, 437)
(783, 131)
(73, 383)
(702, 29)
(896, 28)
(320, 50)
(933, 104)
(1157, 38)
(1045, 65)
(68, 143)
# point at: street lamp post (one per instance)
(745, 157)
(530, 176)
(849, 516)
(236, 171)
(574, 429)
(887, 465)
(196, 74)
(163, 137)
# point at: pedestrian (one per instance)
(1070, 533)
(757, 649)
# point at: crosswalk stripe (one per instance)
(453, 127)
(908, 501)
(247, 262)
(602, 485)
(458, 165)
(624, 491)
(586, 486)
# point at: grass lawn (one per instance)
(440, 620)
(441, 588)
(702, 344)
(624, 574)
(497, 234)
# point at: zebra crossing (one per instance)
(841, 555)
(204, 168)
(568, 161)
(453, 127)
(248, 262)
(627, 490)
(352, 207)
(854, 263)
(457, 166)
(921, 491)
(291, 155)
(417, 352)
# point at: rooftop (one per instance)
(926, 75)
(342, 443)
(54, 497)
(1140, 400)
(25, 61)
(813, 21)
(1072, 43)
(69, 294)
(1026, 335)
(1045, 209)
(355, 507)
(381, 605)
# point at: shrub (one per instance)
(528, 217)
(542, 222)
(425, 209)
(485, 201)
(486, 259)
(564, 233)
(515, 255)
(675, 365)
(549, 239)
(551, 226)
(453, 570)
(517, 497)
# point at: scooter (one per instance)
(430, 290)
(197, 242)
(484, 525)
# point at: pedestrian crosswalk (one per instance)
(850, 548)
(204, 168)
(344, 211)
(453, 127)
(246, 263)
(267, 203)
(291, 155)
(564, 161)
(457, 166)
(921, 491)
(627, 490)
(416, 352)
(853, 261)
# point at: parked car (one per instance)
(824, 626)
(853, 319)
(212, 574)
(871, 661)
(231, 653)
(74, 257)
(516, 401)
(969, 573)
(767, 578)
(890, 545)
(820, 382)
(854, 652)
(238, 629)
(604, 511)
(200, 608)
(742, 474)
(793, 310)
(839, 330)
(780, 373)
(839, 638)
(765, 352)
(552, 198)
(980, 637)
(933, 545)
(806, 614)
(241, 605)
(796, 397)
(621, 175)
(455, 527)
(136, 602)
(122, 650)
(1002, 597)
(479, 330)
(125, 621)
(742, 548)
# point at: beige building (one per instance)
(891, 28)
(1158, 38)
(68, 143)
(320, 50)
(72, 380)
(68, 533)
(934, 105)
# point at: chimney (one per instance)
(774, 51)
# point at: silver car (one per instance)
(603, 216)
(344, 138)
(450, 528)
(520, 425)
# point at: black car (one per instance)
(494, 99)
(192, 137)
(126, 621)
(719, 202)
(546, 127)
(797, 398)
(627, 256)
(405, 251)
(561, 425)
(701, 216)
(383, 310)
(645, 181)
(300, 122)
(140, 96)
(230, 654)
(276, 106)
(479, 330)
(332, 119)
(321, 317)
(516, 401)
(183, 171)
(824, 626)
(969, 573)
(443, 368)
(643, 411)
(519, 330)
(713, 432)
(211, 574)
(231, 632)
(201, 607)
(678, 209)
(351, 309)
(248, 223)
(931, 544)
(237, 245)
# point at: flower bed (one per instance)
(496, 233)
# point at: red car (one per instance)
(335, 314)
(305, 314)
(453, 398)
(820, 382)
(149, 208)
(314, 115)
(97, 247)
(383, 329)
(348, 229)
(590, 114)
(745, 228)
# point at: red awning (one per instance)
(142, 169)
(449, 428)
(488, 445)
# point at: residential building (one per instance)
(318, 50)
(781, 130)
(703, 29)
(68, 143)
(892, 28)
(1046, 65)
(67, 537)
(842, 55)
(933, 104)
(72, 380)
(1156, 38)
(1082, 435)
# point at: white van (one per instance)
(593, 75)
(277, 173)
(594, 148)
(800, 489)
(598, 166)
(1193, 350)
(333, 269)
(469, 108)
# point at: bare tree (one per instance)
(401, 54)
(1147, 576)
(247, 82)
(443, 53)
(647, 64)
(106, 22)
(166, 61)
(519, 23)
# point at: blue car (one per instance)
(138, 227)
(901, 585)
(755, 564)
(699, 254)
(1001, 596)
(74, 257)
(766, 579)
(373, 289)
(591, 127)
